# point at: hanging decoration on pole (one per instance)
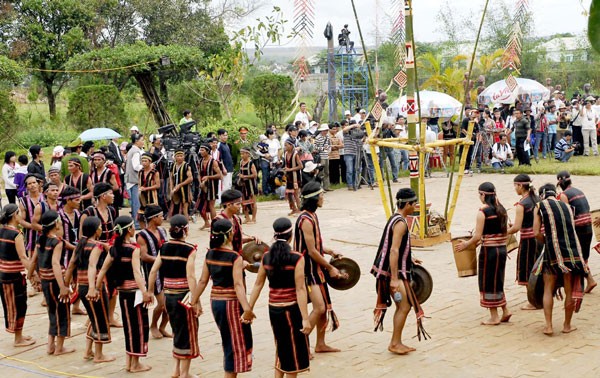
(304, 14)
(512, 53)
(401, 79)
(398, 33)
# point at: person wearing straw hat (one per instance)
(247, 182)
(578, 202)
(392, 269)
(308, 241)
(180, 180)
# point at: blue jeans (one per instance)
(507, 163)
(350, 162)
(565, 156)
(134, 201)
(541, 139)
(265, 168)
(389, 154)
(551, 142)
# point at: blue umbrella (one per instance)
(100, 133)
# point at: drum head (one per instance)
(344, 265)
(253, 253)
(422, 283)
(535, 286)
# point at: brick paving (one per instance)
(459, 345)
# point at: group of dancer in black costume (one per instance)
(555, 240)
(110, 261)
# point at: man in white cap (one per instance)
(323, 148)
(348, 115)
(589, 119)
(133, 130)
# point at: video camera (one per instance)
(185, 138)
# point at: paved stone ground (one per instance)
(459, 345)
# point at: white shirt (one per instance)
(274, 147)
(340, 136)
(588, 119)
(302, 117)
(503, 152)
(8, 175)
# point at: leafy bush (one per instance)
(96, 106)
(46, 137)
(271, 94)
(8, 119)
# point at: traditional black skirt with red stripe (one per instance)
(492, 263)
(526, 257)
(99, 328)
(135, 324)
(59, 313)
(292, 347)
(14, 302)
(185, 327)
(236, 337)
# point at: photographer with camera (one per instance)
(565, 148)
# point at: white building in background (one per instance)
(566, 49)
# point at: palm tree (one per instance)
(442, 78)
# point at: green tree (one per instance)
(9, 121)
(271, 94)
(144, 63)
(45, 34)
(197, 96)
(10, 71)
(97, 106)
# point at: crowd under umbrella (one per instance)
(526, 90)
(433, 105)
(99, 133)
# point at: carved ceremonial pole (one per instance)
(412, 116)
(331, 87)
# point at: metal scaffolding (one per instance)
(353, 79)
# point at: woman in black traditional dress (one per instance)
(229, 304)
(124, 260)
(176, 266)
(491, 230)
(288, 308)
(528, 246)
(86, 260)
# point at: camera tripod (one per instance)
(361, 169)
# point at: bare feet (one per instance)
(51, 348)
(24, 341)
(78, 311)
(115, 323)
(325, 349)
(63, 350)
(568, 329)
(104, 358)
(400, 349)
(205, 227)
(528, 307)
(505, 318)
(591, 287)
(491, 322)
(156, 333)
(88, 356)
(548, 331)
(166, 334)
(140, 368)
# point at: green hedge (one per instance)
(97, 106)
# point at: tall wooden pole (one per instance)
(331, 87)
(411, 84)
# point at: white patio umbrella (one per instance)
(433, 104)
(527, 91)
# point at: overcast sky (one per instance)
(550, 16)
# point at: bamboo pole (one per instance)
(422, 199)
(461, 173)
(412, 117)
(462, 111)
(362, 42)
(408, 147)
(378, 172)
